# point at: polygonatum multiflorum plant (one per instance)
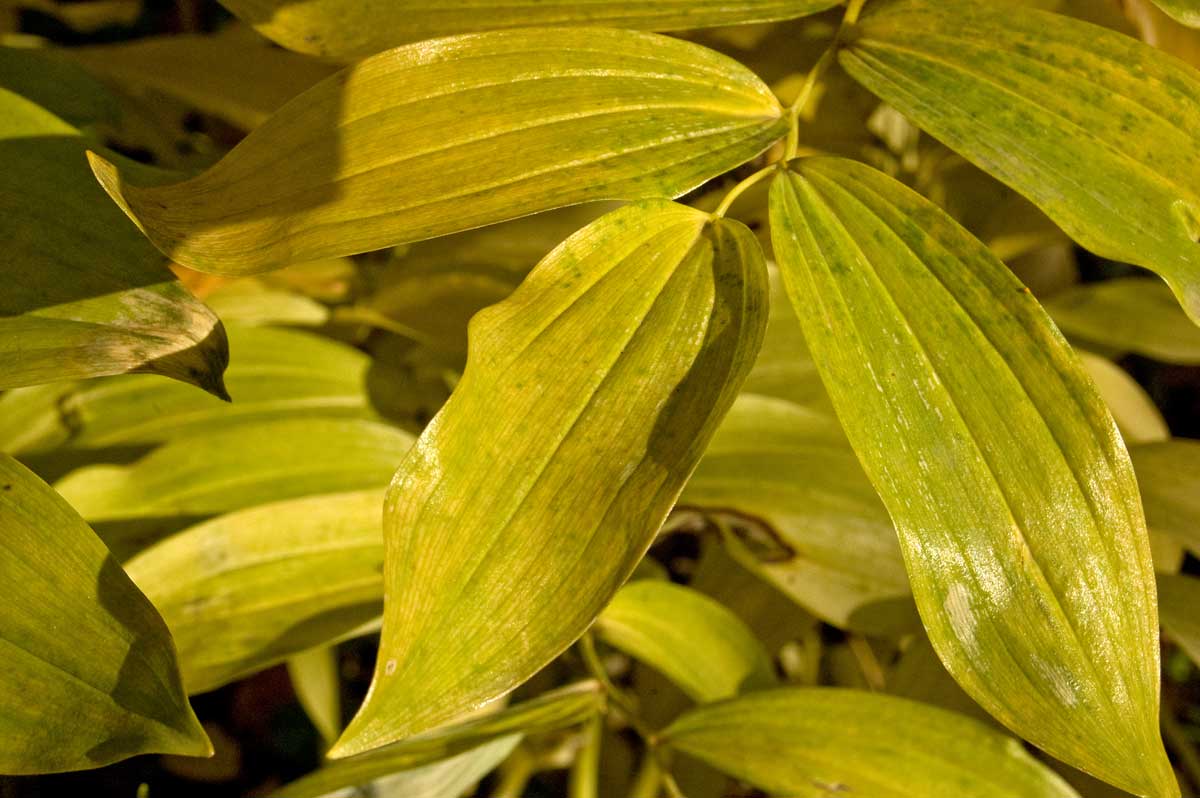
(786, 448)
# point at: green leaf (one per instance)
(548, 712)
(694, 641)
(813, 743)
(357, 28)
(225, 470)
(318, 686)
(784, 368)
(449, 778)
(90, 675)
(1134, 411)
(1179, 596)
(800, 511)
(250, 302)
(93, 298)
(1128, 315)
(588, 397)
(277, 374)
(48, 79)
(1013, 496)
(252, 588)
(1169, 476)
(1185, 11)
(1099, 130)
(432, 139)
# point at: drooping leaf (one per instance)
(88, 296)
(1169, 476)
(1015, 502)
(225, 470)
(804, 514)
(317, 684)
(251, 588)
(550, 711)
(814, 743)
(1134, 411)
(276, 374)
(358, 27)
(1099, 130)
(588, 397)
(694, 641)
(90, 675)
(1179, 597)
(1185, 11)
(431, 139)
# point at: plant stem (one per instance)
(515, 775)
(648, 780)
(737, 190)
(585, 770)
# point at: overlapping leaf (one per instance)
(438, 137)
(1169, 476)
(1180, 596)
(87, 295)
(316, 680)
(90, 675)
(1016, 506)
(1101, 131)
(362, 27)
(1131, 407)
(694, 641)
(1186, 11)
(249, 589)
(588, 397)
(813, 743)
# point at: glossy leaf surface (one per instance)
(1099, 130)
(362, 27)
(588, 397)
(693, 640)
(813, 743)
(251, 588)
(438, 137)
(1015, 502)
(92, 297)
(90, 675)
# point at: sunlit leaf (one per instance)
(588, 397)
(1169, 476)
(804, 516)
(1128, 315)
(431, 139)
(358, 27)
(697, 643)
(317, 684)
(90, 675)
(249, 589)
(1179, 596)
(228, 469)
(87, 295)
(1134, 411)
(1099, 130)
(814, 743)
(276, 374)
(1015, 502)
(1185, 11)
(550, 711)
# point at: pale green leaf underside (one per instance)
(1169, 476)
(443, 136)
(362, 27)
(816, 743)
(1180, 596)
(90, 674)
(225, 470)
(251, 588)
(1099, 130)
(693, 640)
(588, 397)
(275, 374)
(550, 711)
(1185, 11)
(1015, 502)
(93, 298)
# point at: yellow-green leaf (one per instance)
(815, 743)
(1134, 411)
(86, 296)
(228, 469)
(1013, 496)
(693, 640)
(435, 138)
(90, 674)
(1185, 11)
(1180, 597)
(550, 711)
(362, 27)
(446, 778)
(1099, 130)
(588, 397)
(1169, 476)
(276, 374)
(318, 687)
(251, 588)
(1128, 315)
